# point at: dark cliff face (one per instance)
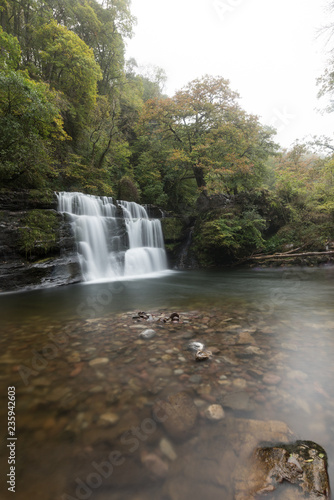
(27, 199)
(36, 243)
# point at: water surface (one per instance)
(266, 325)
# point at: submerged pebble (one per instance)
(195, 346)
(147, 334)
(109, 418)
(177, 414)
(155, 465)
(214, 412)
(271, 379)
(202, 355)
(167, 449)
(98, 361)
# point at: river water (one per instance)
(87, 384)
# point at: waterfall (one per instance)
(114, 239)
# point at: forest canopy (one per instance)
(111, 123)
(75, 115)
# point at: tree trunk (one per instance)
(199, 176)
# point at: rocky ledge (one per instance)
(36, 243)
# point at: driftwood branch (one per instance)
(290, 255)
(282, 253)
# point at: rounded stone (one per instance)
(109, 418)
(195, 346)
(155, 465)
(195, 379)
(240, 383)
(271, 379)
(214, 412)
(99, 361)
(167, 449)
(202, 355)
(178, 414)
(259, 398)
(147, 334)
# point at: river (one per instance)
(84, 379)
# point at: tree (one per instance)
(77, 48)
(68, 64)
(10, 51)
(116, 24)
(207, 137)
(151, 79)
(326, 80)
(16, 18)
(30, 124)
(296, 173)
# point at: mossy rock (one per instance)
(38, 233)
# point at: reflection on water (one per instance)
(87, 384)
(291, 289)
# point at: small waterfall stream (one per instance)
(113, 239)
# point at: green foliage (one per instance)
(173, 228)
(149, 176)
(303, 187)
(229, 236)
(74, 175)
(30, 123)
(203, 135)
(73, 116)
(68, 64)
(10, 51)
(37, 234)
(274, 244)
(127, 189)
(327, 207)
(41, 196)
(77, 47)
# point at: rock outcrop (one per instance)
(36, 243)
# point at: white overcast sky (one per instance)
(268, 49)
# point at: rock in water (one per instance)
(203, 354)
(214, 413)
(178, 414)
(302, 463)
(195, 346)
(108, 419)
(155, 465)
(167, 449)
(215, 465)
(271, 379)
(147, 334)
(98, 361)
(238, 401)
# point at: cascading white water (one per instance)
(114, 240)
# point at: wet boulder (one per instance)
(303, 464)
(214, 463)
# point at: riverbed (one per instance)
(88, 384)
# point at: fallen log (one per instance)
(290, 255)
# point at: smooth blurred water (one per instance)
(114, 239)
(289, 312)
(292, 292)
